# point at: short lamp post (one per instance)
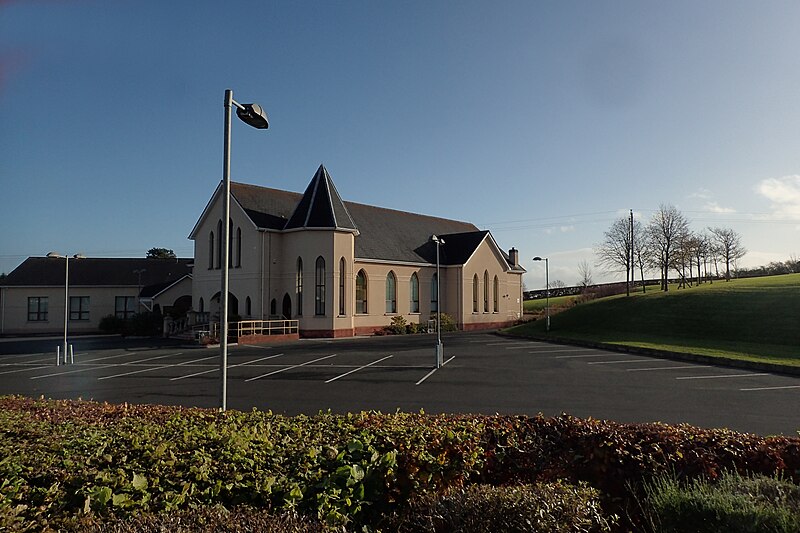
(255, 116)
(546, 292)
(439, 348)
(56, 255)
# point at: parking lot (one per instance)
(484, 373)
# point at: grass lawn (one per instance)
(535, 306)
(753, 319)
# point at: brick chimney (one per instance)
(513, 253)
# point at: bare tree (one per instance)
(728, 244)
(667, 228)
(585, 274)
(615, 252)
(557, 284)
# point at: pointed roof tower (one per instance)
(321, 207)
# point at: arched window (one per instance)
(434, 294)
(230, 243)
(414, 293)
(248, 307)
(342, 266)
(391, 293)
(238, 247)
(202, 306)
(218, 263)
(496, 295)
(210, 250)
(485, 291)
(319, 290)
(273, 307)
(475, 293)
(299, 286)
(361, 293)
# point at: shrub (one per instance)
(448, 324)
(555, 507)
(112, 325)
(734, 504)
(398, 325)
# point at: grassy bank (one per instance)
(754, 319)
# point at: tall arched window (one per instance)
(218, 263)
(391, 293)
(319, 290)
(485, 291)
(202, 306)
(414, 293)
(238, 247)
(230, 243)
(211, 250)
(299, 286)
(496, 295)
(342, 265)
(361, 293)
(475, 293)
(434, 294)
(248, 307)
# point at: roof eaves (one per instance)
(205, 212)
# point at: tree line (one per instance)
(666, 243)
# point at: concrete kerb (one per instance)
(664, 354)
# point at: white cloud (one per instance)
(784, 193)
(714, 207)
(701, 193)
(566, 229)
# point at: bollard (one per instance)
(58, 355)
(71, 355)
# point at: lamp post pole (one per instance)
(253, 115)
(547, 291)
(56, 255)
(439, 348)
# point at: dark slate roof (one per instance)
(98, 272)
(267, 208)
(321, 206)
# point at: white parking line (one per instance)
(159, 367)
(229, 367)
(773, 388)
(721, 376)
(25, 369)
(621, 361)
(665, 368)
(563, 350)
(107, 365)
(359, 368)
(583, 355)
(291, 367)
(429, 374)
(508, 343)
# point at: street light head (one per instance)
(54, 255)
(437, 239)
(253, 115)
(537, 258)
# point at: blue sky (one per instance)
(541, 121)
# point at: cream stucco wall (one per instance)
(15, 308)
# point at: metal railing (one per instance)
(264, 327)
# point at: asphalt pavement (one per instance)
(484, 373)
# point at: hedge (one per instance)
(63, 459)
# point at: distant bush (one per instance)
(553, 507)
(448, 324)
(734, 504)
(146, 324)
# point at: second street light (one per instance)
(255, 116)
(547, 291)
(439, 348)
(56, 255)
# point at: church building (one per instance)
(343, 268)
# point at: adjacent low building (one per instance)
(32, 296)
(343, 268)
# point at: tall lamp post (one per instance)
(56, 255)
(439, 348)
(255, 116)
(546, 292)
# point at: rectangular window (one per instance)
(37, 309)
(125, 306)
(79, 308)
